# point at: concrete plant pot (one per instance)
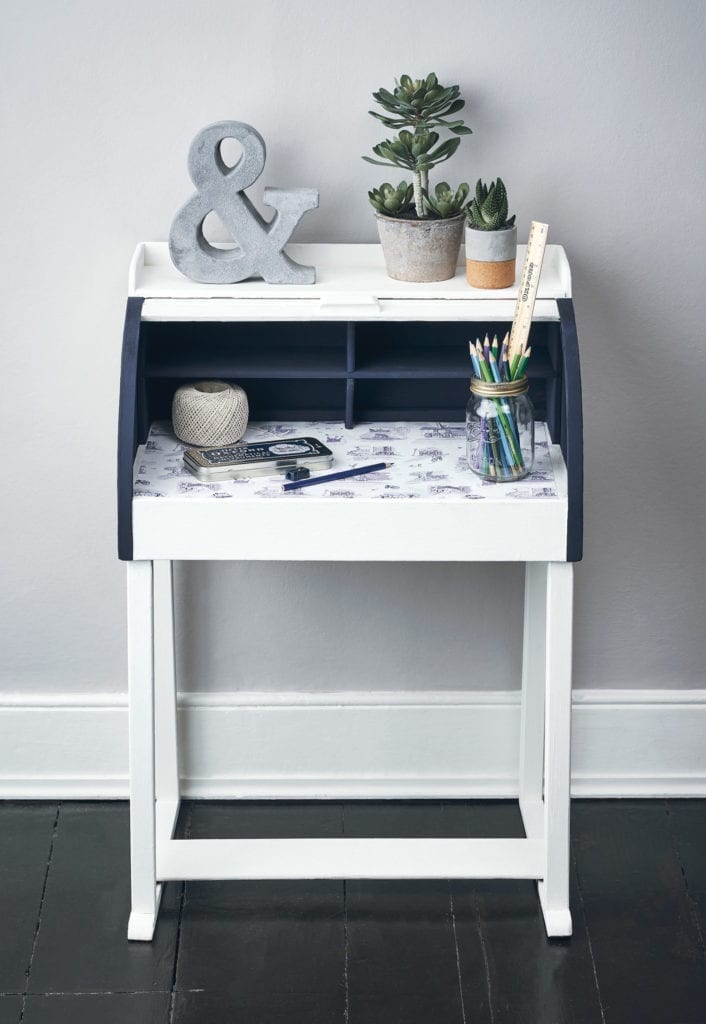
(420, 250)
(490, 257)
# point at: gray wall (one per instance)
(594, 116)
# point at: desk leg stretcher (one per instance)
(544, 774)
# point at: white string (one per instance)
(210, 413)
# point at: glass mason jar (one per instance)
(500, 430)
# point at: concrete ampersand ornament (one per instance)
(220, 188)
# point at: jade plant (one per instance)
(487, 211)
(421, 105)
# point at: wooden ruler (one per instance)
(527, 293)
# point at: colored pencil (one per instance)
(494, 368)
(474, 359)
(523, 362)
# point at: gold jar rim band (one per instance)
(506, 389)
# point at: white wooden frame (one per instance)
(543, 855)
(352, 284)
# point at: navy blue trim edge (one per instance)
(127, 424)
(572, 429)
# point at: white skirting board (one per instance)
(645, 743)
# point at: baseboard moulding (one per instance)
(354, 745)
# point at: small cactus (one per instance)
(487, 211)
(390, 200)
(447, 203)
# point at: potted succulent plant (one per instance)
(491, 239)
(420, 233)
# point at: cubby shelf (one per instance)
(238, 368)
(356, 371)
(442, 364)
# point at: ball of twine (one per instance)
(210, 413)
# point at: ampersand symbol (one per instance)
(220, 188)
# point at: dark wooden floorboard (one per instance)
(10, 1009)
(646, 943)
(687, 821)
(252, 819)
(25, 842)
(122, 1008)
(259, 948)
(221, 1008)
(530, 979)
(401, 963)
(82, 944)
(363, 952)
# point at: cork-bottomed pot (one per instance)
(420, 250)
(490, 257)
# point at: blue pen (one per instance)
(342, 475)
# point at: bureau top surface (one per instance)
(428, 464)
(350, 276)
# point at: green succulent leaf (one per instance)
(444, 151)
(379, 163)
(458, 104)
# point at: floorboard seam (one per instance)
(99, 992)
(486, 962)
(345, 953)
(693, 908)
(35, 937)
(458, 953)
(177, 942)
(346, 1008)
(589, 941)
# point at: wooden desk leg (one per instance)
(140, 620)
(554, 889)
(165, 726)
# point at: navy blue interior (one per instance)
(355, 372)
